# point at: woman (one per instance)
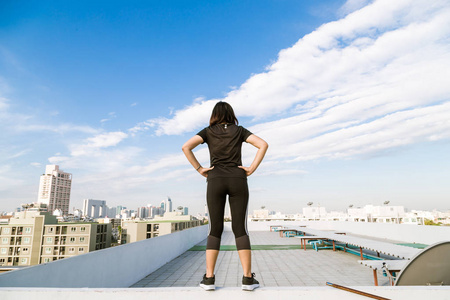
(226, 176)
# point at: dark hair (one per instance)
(222, 113)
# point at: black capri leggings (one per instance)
(237, 190)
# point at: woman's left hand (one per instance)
(248, 170)
(204, 171)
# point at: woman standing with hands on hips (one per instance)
(226, 176)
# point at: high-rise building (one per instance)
(119, 209)
(163, 206)
(54, 189)
(143, 212)
(94, 208)
(169, 204)
(185, 210)
(111, 212)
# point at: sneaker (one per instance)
(208, 283)
(249, 283)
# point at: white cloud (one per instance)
(92, 144)
(111, 116)
(362, 84)
(18, 154)
(3, 103)
(184, 120)
(352, 5)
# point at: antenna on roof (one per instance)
(429, 267)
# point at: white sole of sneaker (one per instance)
(208, 287)
(250, 287)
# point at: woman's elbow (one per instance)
(185, 148)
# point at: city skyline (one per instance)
(350, 95)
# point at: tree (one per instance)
(431, 222)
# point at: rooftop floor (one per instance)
(289, 267)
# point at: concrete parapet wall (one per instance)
(196, 293)
(400, 232)
(119, 266)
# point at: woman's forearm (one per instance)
(187, 150)
(262, 149)
(188, 147)
(259, 157)
(191, 158)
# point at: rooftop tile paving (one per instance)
(277, 262)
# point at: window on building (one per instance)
(73, 229)
(26, 240)
(149, 235)
(6, 230)
(4, 250)
(46, 260)
(81, 239)
(49, 240)
(71, 249)
(25, 249)
(83, 229)
(50, 230)
(155, 227)
(2, 260)
(24, 260)
(48, 250)
(72, 240)
(81, 249)
(28, 230)
(4, 240)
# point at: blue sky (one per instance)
(351, 96)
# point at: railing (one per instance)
(398, 232)
(119, 266)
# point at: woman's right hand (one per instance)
(204, 171)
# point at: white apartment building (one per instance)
(94, 208)
(376, 213)
(54, 189)
(33, 237)
(314, 212)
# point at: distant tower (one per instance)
(185, 211)
(54, 189)
(169, 204)
(163, 206)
